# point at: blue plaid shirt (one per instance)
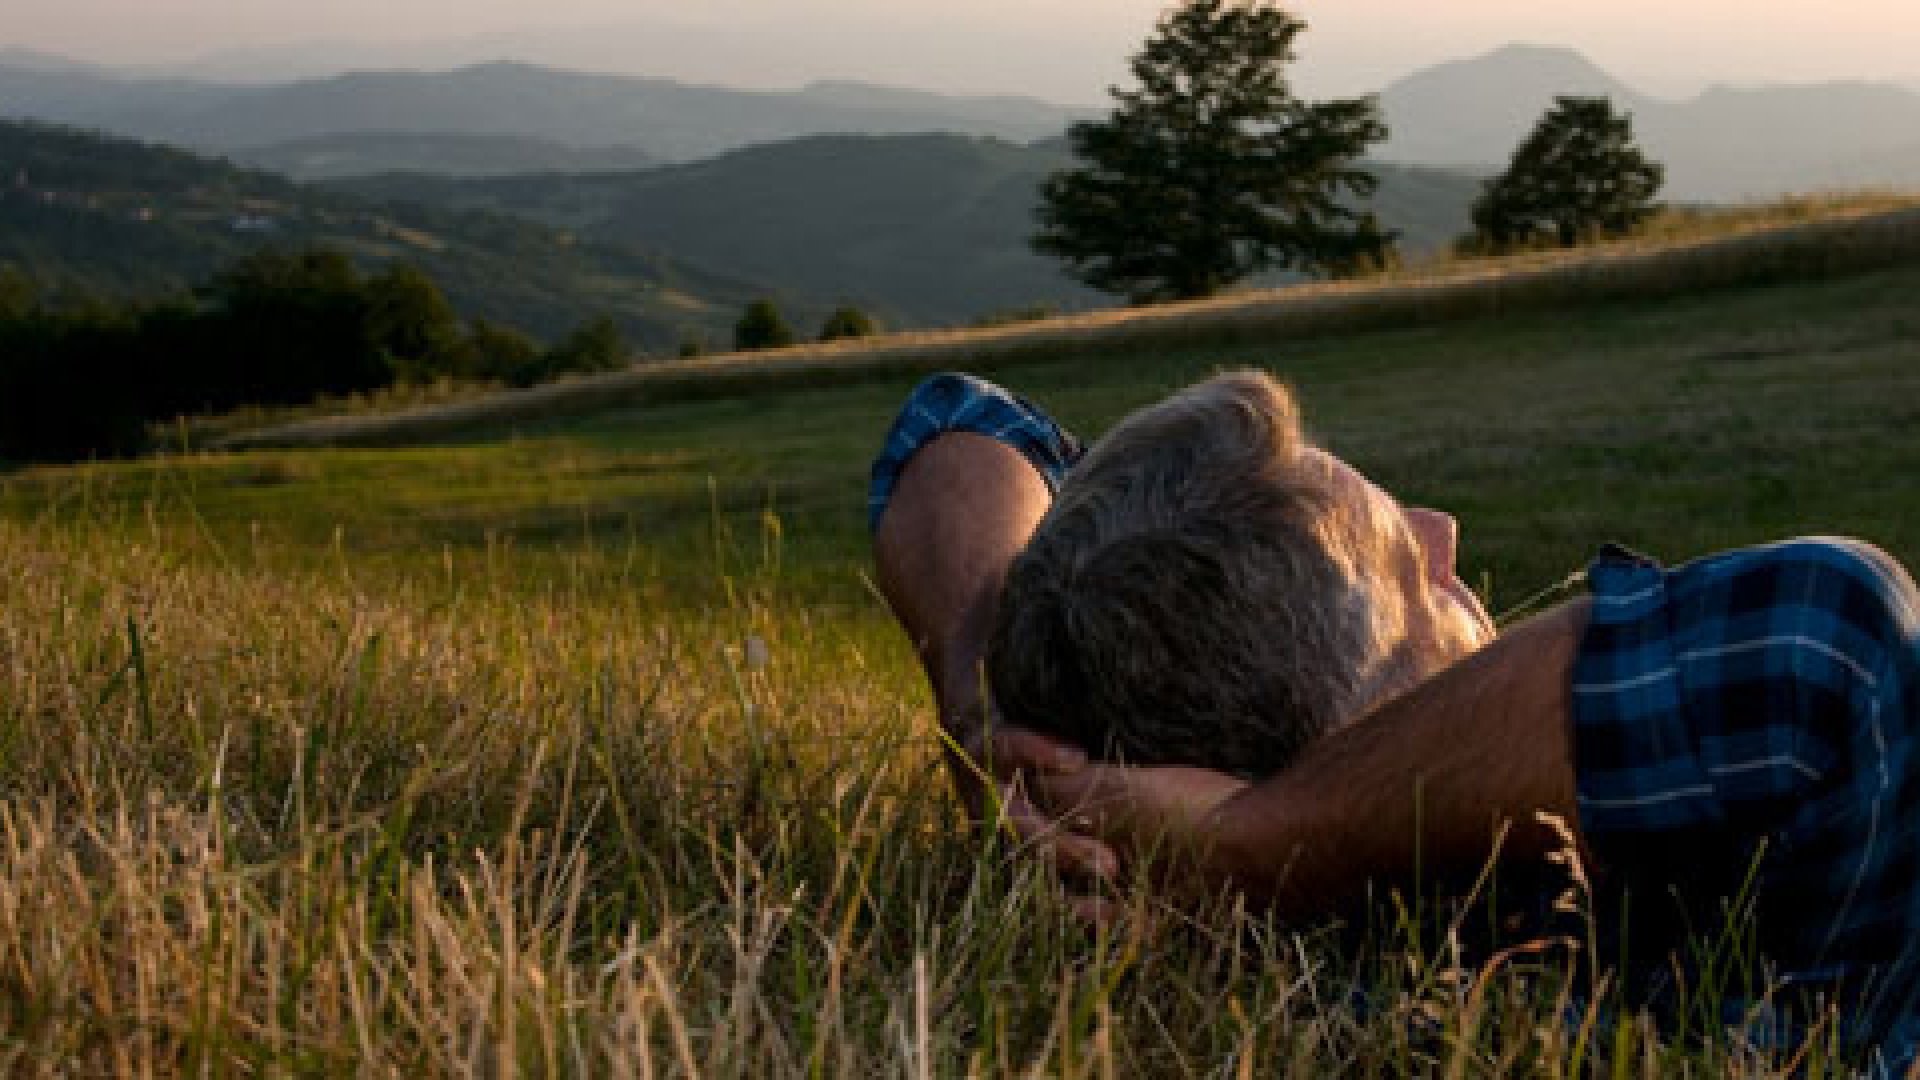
(1744, 732)
(953, 402)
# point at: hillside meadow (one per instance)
(587, 749)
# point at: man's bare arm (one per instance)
(1440, 779)
(1431, 780)
(964, 507)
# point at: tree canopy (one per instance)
(762, 326)
(273, 328)
(848, 322)
(1210, 169)
(1579, 176)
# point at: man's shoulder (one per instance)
(1799, 571)
(1845, 554)
(1818, 584)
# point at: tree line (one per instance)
(274, 328)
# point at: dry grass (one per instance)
(1804, 239)
(266, 820)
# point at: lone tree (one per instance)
(1578, 177)
(1210, 169)
(761, 326)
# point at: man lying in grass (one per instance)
(1221, 653)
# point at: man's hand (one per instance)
(1020, 761)
(1167, 821)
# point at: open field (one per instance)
(588, 750)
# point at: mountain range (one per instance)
(667, 120)
(539, 194)
(1724, 144)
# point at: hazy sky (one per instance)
(1067, 50)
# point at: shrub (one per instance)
(413, 324)
(497, 351)
(18, 295)
(761, 327)
(848, 322)
(596, 345)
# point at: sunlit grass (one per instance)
(325, 821)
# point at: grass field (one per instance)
(589, 751)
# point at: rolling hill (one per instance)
(923, 229)
(92, 215)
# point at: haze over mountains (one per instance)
(668, 120)
(1726, 143)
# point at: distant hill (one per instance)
(669, 120)
(61, 92)
(1724, 144)
(35, 60)
(1474, 112)
(1900, 167)
(327, 157)
(923, 229)
(83, 213)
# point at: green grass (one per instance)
(1678, 426)
(589, 750)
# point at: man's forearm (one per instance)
(1431, 781)
(964, 507)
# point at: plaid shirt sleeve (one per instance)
(1744, 728)
(954, 402)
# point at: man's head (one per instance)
(1211, 589)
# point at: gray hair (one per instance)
(1195, 596)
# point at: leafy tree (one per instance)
(596, 345)
(497, 351)
(1579, 176)
(412, 323)
(18, 294)
(848, 322)
(1211, 170)
(294, 325)
(761, 326)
